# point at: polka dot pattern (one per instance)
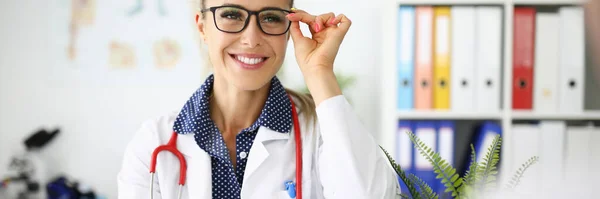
(194, 118)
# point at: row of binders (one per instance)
(548, 59)
(569, 157)
(440, 137)
(450, 58)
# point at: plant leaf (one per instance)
(440, 166)
(404, 196)
(517, 176)
(486, 172)
(471, 174)
(409, 184)
(426, 191)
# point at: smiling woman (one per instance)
(240, 134)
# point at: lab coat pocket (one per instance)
(283, 195)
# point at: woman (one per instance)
(236, 132)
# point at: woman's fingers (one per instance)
(316, 23)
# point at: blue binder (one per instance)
(484, 137)
(426, 131)
(404, 150)
(445, 147)
(405, 56)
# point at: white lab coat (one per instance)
(340, 160)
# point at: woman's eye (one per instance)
(231, 15)
(271, 19)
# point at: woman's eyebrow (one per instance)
(264, 8)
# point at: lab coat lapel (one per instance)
(259, 153)
(199, 172)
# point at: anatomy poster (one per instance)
(116, 41)
(121, 55)
(83, 13)
(166, 53)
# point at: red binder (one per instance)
(523, 57)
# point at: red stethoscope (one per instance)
(171, 146)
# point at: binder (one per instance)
(572, 60)
(595, 153)
(463, 59)
(484, 138)
(523, 58)
(441, 60)
(426, 132)
(546, 62)
(488, 58)
(406, 29)
(404, 150)
(424, 58)
(578, 159)
(445, 145)
(526, 144)
(552, 155)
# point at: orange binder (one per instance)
(424, 59)
(441, 57)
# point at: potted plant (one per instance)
(480, 178)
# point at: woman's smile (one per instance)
(249, 61)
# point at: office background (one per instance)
(115, 79)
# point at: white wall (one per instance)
(98, 109)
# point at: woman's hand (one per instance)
(315, 55)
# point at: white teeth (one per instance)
(248, 60)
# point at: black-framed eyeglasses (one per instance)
(234, 19)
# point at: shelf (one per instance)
(447, 115)
(451, 2)
(529, 115)
(490, 2)
(547, 2)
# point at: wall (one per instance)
(98, 109)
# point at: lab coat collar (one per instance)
(199, 167)
(259, 152)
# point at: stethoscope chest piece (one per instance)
(290, 186)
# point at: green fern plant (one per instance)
(479, 178)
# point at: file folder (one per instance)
(572, 60)
(404, 150)
(552, 155)
(523, 58)
(406, 31)
(424, 58)
(441, 60)
(488, 56)
(578, 159)
(426, 132)
(463, 59)
(484, 138)
(445, 146)
(546, 62)
(526, 143)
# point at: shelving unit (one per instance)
(390, 115)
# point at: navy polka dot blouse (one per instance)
(195, 118)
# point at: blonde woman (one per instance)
(243, 135)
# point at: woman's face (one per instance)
(248, 59)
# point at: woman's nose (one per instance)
(252, 35)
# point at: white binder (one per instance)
(488, 58)
(572, 60)
(552, 155)
(595, 154)
(526, 144)
(577, 161)
(546, 63)
(463, 59)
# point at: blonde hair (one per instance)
(305, 104)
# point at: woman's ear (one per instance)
(200, 25)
